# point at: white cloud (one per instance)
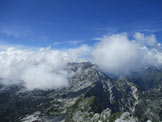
(45, 68)
(118, 54)
(42, 69)
(70, 42)
(149, 40)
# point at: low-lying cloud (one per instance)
(118, 54)
(45, 68)
(41, 69)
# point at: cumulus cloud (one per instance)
(120, 55)
(42, 69)
(45, 68)
(149, 40)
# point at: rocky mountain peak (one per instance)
(92, 96)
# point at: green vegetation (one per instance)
(87, 105)
(114, 116)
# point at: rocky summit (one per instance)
(91, 96)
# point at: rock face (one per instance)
(91, 96)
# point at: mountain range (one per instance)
(91, 96)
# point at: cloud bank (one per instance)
(45, 68)
(41, 69)
(118, 54)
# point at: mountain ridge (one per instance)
(91, 96)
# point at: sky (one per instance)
(38, 38)
(71, 23)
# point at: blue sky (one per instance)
(70, 23)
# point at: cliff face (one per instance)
(91, 96)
